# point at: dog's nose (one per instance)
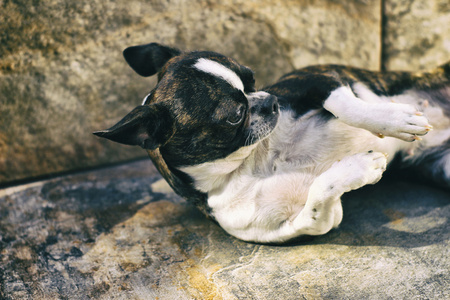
(270, 105)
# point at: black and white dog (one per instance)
(272, 165)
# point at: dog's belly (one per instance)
(311, 144)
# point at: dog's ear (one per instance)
(148, 59)
(148, 126)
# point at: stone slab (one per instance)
(120, 233)
(416, 34)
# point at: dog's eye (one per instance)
(237, 117)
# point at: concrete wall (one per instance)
(62, 74)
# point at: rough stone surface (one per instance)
(120, 233)
(62, 74)
(416, 34)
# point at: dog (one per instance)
(271, 165)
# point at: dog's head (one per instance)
(204, 106)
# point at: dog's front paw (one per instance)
(360, 169)
(401, 121)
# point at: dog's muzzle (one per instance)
(264, 112)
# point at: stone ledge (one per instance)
(120, 233)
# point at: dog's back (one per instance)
(308, 88)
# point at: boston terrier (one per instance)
(272, 165)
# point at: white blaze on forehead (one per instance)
(219, 70)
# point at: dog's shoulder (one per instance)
(307, 88)
(304, 90)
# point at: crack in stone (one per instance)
(253, 256)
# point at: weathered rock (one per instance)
(62, 74)
(120, 233)
(416, 34)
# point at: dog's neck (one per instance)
(180, 185)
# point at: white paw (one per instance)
(397, 120)
(319, 218)
(323, 209)
(358, 170)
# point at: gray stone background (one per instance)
(62, 74)
(120, 232)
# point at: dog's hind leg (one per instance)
(322, 210)
(352, 172)
(432, 164)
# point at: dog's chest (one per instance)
(312, 143)
(297, 143)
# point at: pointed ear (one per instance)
(148, 59)
(148, 126)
